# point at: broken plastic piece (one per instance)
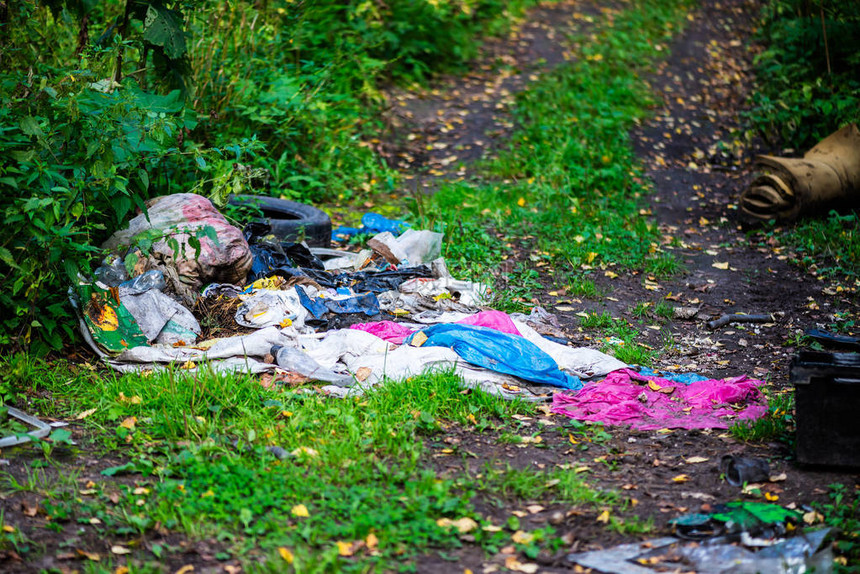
(739, 318)
(43, 429)
(740, 470)
(297, 361)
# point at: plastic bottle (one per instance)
(112, 272)
(297, 361)
(153, 279)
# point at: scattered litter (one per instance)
(464, 292)
(185, 237)
(834, 340)
(318, 306)
(266, 308)
(410, 248)
(739, 318)
(805, 552)
(297, 361)
(42, 429)
(161, 319)
(626, 397)
(299, 302)
(759, 519)
(740, 470)
(827, 175)
(388, 330)
(370, 223)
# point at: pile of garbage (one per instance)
(353, 320)
(349, 320)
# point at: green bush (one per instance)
(105, 104)
(807, 80)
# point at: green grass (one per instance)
(558, 485)
(197, 459)
(828, 246)
(569, 177)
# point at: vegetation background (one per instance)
(106, 104)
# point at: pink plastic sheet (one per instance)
(494, 320)
(388, 330)
(625, 398)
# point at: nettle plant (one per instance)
(87, 134)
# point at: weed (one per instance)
(641, 310)
(664, 310)
(827, 246)
(602, 320)
(843, 514)
(582, 287)
(664, 265)
(778, 423)
(558, 485)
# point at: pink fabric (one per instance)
(388, 330)
(700, 405)
(494, 320)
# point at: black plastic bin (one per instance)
(827, 401)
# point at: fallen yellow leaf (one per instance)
(463, 525)
(681, 478)
(604, 517)
(89, 555)
(117, 549)
(696, 459)
(511, 563)
(372, 541)
(771, 497)
(344, 548)
(286, 554)
(307, 451)
(300, 510)
(719, 265)
(85, 414)
(185, 569)
(129, 423)
(522, 537)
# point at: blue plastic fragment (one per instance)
(371, 223)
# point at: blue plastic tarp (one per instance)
(499, 352)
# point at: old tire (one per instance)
(291, 220)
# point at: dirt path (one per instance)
(437, 133)
(698, 172)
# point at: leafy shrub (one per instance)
(807, 75)
(105, 104)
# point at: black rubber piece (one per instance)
(291, 220)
